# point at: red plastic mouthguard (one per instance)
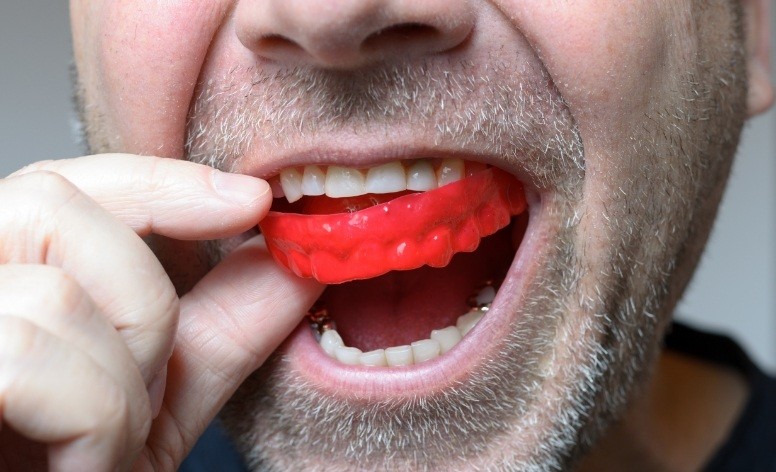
(405, 233)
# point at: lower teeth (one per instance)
(440, 341)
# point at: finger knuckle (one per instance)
(114, 410)
(19, 339)
(35, 166)
(39, 292)
(64, 292)
(148, 174)
(119, 415)
(34, 202)
(169, 307)
(45, 182)
(152, 338)
(39, 193)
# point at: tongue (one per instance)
(401, 307)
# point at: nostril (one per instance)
(350, 34)
(276, 42)
(399, 34)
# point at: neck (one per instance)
(677, 423)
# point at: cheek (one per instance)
(609, 60)
(146, 58)
(617, 65)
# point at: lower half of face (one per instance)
(547, 296)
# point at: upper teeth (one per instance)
(339, 182)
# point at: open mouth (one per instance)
(414, 253)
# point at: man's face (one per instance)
(619, 118)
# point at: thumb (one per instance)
(230, 323)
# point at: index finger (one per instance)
(173, 198)
(230, 323)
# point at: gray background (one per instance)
(734, 290)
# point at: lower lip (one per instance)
(359, 383)
(376, 383)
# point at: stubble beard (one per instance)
(281, 422)
(582, 344)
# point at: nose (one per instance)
(340, 34)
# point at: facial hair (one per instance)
(281, 422)
(583, 341)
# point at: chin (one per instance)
(480, 356)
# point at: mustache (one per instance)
(498, 108)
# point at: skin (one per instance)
(165, 341)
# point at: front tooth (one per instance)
(313, 181)
(387, 178)
(399, 356)
(466, 322)
(374, 358)
(421, 177)
(348, 355)
(447, 338)
(425, 350)
(451, 170)
(344, 182)
(330, 341)
(291, 183)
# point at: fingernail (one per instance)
(156, 390)
(242, 189)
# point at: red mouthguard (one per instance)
(405, 233)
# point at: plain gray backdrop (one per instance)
(734, 290)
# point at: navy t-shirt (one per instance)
(213, 452)
(750, 447)
(751, 444)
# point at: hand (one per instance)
(102, 366)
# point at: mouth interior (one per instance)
(401, 308)
(405, 306)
